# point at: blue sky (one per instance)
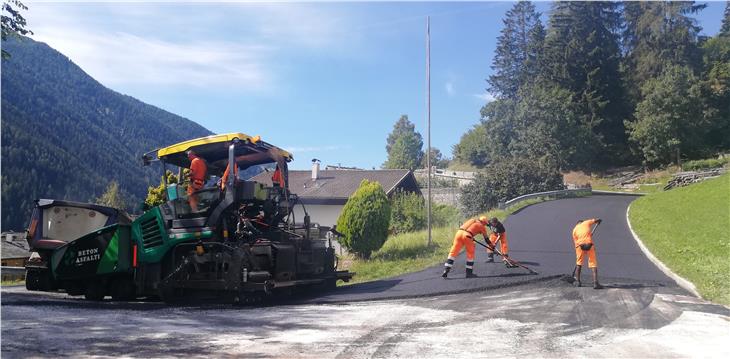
(324, 80)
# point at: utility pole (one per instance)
(428, 117)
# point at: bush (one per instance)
(407, 212)
(506, 180)
(365, 219)
(704, 164)
(443, 215)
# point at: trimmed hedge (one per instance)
(365, 219)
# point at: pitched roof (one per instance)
(16, 249)
(340, 184)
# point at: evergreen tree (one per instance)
(582, 55)
(402, 127)
(404, 146)
(518, 47)
(716, 92)
(659, 34)
(725, 29)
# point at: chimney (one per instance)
(315, 169)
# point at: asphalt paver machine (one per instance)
(241, 240)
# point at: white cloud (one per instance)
(123, 58)
(485, 97)
(450, 88)
(215, 45)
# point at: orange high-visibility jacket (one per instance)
(474, 227)
(198, 170)
(582, 232)
(224, 179)
(278, 178)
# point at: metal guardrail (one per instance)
(566, 193)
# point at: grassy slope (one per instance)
(409, 252)
(689, 230)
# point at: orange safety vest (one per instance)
(224, 179)
(277, 179)
(582, 232)
(198, 170)
(474, 227)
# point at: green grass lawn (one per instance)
(688, 229)
(409, 252)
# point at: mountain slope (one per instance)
(64, 135)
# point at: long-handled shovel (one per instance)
(571, 279)
(506, 259)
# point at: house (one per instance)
(14, 254)
(325, 192)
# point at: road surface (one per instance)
(504, 313)
(539, 237)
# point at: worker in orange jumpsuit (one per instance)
(583, 241)
(198, 171)
(277, 180)
(226, 173)
(464, 237)
(498, 234)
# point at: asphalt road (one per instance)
(503, 313)
(540, 238)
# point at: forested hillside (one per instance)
(66, 136)
(604, 84)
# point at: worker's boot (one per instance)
(490, 257)
(470, 273)
(596, 285)
(577, 276)
(446, 272)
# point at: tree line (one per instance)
(604, 84)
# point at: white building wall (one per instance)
(324, 215)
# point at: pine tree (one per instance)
(582, 55)
(725, 29)
(659, 34)
(404, 146)
(518, 47)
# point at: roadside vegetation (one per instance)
(688, 229)
(12, 282)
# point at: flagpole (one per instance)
(428, 111)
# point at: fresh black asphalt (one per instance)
(540, 238)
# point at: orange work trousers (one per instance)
(503, 247)
(580, 255)
(462, 239)
(192, 196)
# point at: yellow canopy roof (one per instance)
(215, 148)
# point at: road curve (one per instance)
(539, 237)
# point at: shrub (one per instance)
(443, 215)
(407, 212)
(365, 219)
(704, 164)
(506, 180)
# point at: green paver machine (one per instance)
(240, 242)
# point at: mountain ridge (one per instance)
(66, 136)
